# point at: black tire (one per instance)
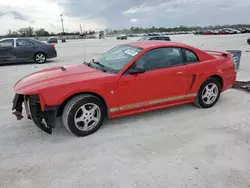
(43, 58)
(199, 101)
(71, 109)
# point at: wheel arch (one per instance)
(219, 78)
(63, 104)
(41, 52)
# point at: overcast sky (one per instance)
(98, 14)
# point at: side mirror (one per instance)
(137, 70)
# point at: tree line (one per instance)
(153, 29)
(31, 32)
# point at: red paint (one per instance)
(55, 85)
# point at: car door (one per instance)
(165, 80)
(7, 53)
(165, 38)
(25, 49)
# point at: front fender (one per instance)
(57, 95)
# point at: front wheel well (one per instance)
(61, 107)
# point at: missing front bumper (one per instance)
(45, 120)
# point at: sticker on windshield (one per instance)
(131, 52)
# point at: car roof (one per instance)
(152, 44)
(7, 39)
(158, 36)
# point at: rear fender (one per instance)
(200, 78)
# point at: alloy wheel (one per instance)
(87, 116)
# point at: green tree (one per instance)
(26, 32)
(41, 32)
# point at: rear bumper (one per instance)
(45, 120)
(52, 54)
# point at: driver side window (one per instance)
(161, 58)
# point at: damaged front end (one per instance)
(45, 119)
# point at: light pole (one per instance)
(63, 40)
(62, 23)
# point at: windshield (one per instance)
(144, 38)
(118, 57)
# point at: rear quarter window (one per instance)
(191, 57)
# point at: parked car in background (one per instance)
(14, 50)
(52, 40)
(234, 31)
(248, 40)
(209, 32)
(166, 38)
(244, 30)
(122, 37)
(223, 31)
(128, 79)
(199, 32)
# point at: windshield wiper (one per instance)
(86, 63)
(101, 65)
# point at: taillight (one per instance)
(53, 46)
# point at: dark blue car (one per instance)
(13, 50)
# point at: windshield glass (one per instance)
(119, 56)
(144, 38)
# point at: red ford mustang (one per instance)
(129, 79)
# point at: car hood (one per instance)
(56, 76)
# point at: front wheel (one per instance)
(40, 58)
(83, 115)
(209, 93)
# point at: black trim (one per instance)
(38, 116)
(63, 69)
(184, 55)
(18, 106)
(193, 80)
(51, 108)
(17, 102)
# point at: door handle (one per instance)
(179, 73)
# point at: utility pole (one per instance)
(62, 23)
(63, 40)
(81, 28)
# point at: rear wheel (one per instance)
(209, 93)
(40, 58)
(83, 115)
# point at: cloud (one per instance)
(15, 14)
(138, 9)
(134, 20)
(99, 14)
(167, 13)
